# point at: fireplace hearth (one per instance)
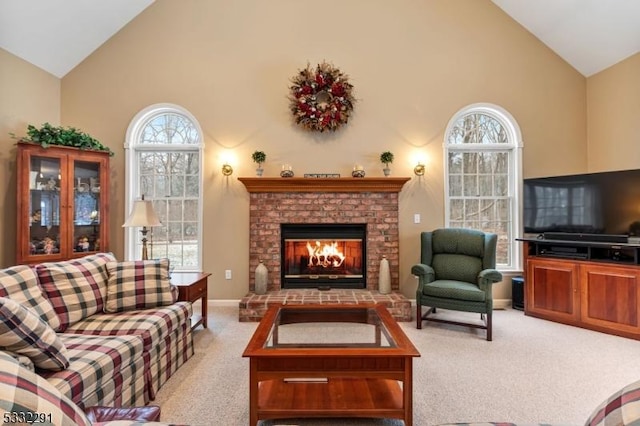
(323, 256)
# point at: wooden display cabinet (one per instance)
(62, 201)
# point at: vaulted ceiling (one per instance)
(591, 35)
(56, 35)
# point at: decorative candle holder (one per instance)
(287, 171)
(358, 171)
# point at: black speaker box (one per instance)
(517, 293)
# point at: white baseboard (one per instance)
(501, 303)
(497, 303)
(223, 302)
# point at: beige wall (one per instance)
(28, 95)
(613, 99)
(413, 65)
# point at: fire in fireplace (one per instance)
(323, 255)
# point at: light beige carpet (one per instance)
(534, 371)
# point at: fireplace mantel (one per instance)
(346, 184)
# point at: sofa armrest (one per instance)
(100, 414)
(133, 423)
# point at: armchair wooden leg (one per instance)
(418, 316)
(489, 326)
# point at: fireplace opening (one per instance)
(323, 256)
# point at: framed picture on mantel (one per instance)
(322, 175)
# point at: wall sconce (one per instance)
(419, 169)
(228, 160)
(227, 170)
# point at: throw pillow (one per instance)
(76, 288)
(138, 284)
(621, 408)
(23, 360)
(25, 333)
(21, 284)
(26, 398)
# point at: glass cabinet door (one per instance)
(44, 205)
(87, 207)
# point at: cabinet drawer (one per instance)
(193, 292)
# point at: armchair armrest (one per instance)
(491, 275)
(425, 274)
(423, 270)
(487, 277)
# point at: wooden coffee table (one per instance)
(330, 361)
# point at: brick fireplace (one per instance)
(371, 202)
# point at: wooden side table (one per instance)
(191, 287)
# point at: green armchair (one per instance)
(456, 272)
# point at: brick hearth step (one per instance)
(253, 306)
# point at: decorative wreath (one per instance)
(320, 98)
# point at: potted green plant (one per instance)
(386, 158)
(259, 157)
(47, 135)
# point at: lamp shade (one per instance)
(142, 215)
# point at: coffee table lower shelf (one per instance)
(338, 397)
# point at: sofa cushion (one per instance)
(621, 408)
(449, 289)
(20, 283)
(153, 326)
(76, 288)
(25, 333)
(102, 371)
(138, 284)
(469, 242)
(23, 391)
(457, 267)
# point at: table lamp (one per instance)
(143, 215)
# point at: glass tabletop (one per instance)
(356, 327)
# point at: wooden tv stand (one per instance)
(594, 285)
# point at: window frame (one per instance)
(514, 147)
(133, 146)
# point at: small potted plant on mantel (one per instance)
(259, 157)
(386, 158)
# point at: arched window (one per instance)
(483, 176)
(164, 164)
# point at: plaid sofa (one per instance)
(118, 332)
(28, 398)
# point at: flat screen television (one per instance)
(606, 203)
